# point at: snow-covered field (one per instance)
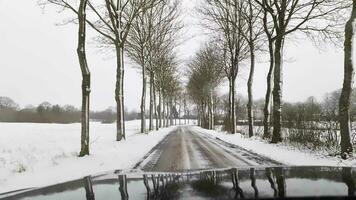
(285, 154)
(33, 155)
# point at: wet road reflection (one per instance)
(234, 183)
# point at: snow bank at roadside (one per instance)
(34, 155)
(282, 153)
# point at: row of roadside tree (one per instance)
(242, 30)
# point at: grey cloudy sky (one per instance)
(38, 62)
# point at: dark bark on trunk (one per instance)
(209, 114)
(175, 107)
(143, 101)
(230, 104)
(251, 43)
(163, 112)
(249, 91)
(168, 114)
(344, 103)
(233, 106)
(211, 111)
(155, 105)
(160, 108)
(119, 94)
(174, 116)
(266, 109)
(151, 101)
(119, 90)
(277, 91)
(179, 117)
(202, 116)
(123, 93)
(84, 150)
(171, 113)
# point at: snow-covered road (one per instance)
(185, 149)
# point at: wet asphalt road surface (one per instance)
(184, 149)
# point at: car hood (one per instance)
(232, 183)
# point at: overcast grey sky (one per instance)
(38, 62)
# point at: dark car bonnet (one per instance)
(234, 183)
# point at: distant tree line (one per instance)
(45, 112)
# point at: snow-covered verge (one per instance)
(34, 155)
(283, 153)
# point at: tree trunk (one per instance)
(179, 116)
(249, 91)
(230, 104)
(176, 108)
(198, 117)
(123, 93)
(84, 150)
(160, 108)
(143, 101)
(163, 111)
(171, 113)
(188, 118)
(345, 98)
(185, 111)
(119, 90)
(206, 115)
(266, 109)
(202, 116)
(233, 107)
(211, 111)
(155, 106)
(277, 92)
(168, 114)
(119, 94)
(209, 114)
(151, 100)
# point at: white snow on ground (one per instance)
(282, 153)
(34, 155)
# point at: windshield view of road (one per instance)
(177, 99)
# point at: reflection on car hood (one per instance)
(233, 183)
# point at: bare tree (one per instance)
(113, 21)
(86, 78)
(122, 14)
(152, 31)
(164, 37)
(225, 19)
(81, 52)
(205, 74)
(137, 51)
(345, 98)
(251, 13)
(167, 84)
